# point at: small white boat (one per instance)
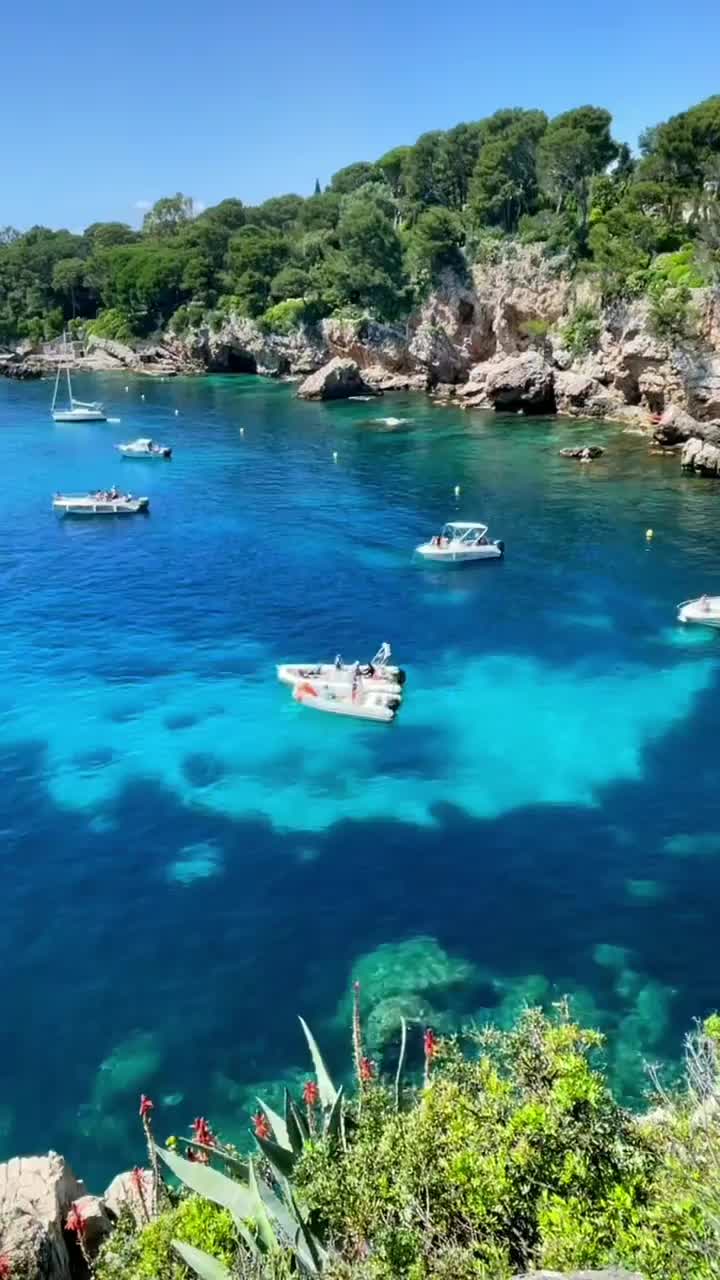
(376, 674)
(461, 540)
(77, 410)
(144, 449)
(105, 502)
(705, 611)
(357, 700)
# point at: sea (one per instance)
(190, 859)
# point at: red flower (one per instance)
(202, 1133)
(146, 1106)
(5, 1267)
(262, 1125)
(311, 1094)
(75, 1221)
(367, 1070)
(430, 1043)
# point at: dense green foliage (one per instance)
(382, 233)
(511, 1155)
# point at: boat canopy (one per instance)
(463, 530)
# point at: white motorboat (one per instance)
(105, 502)
(357, 699)
(705, 611)
(376, 674)
(144, 449)
(461, 540)
(77, 410)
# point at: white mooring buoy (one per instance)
(177, 413)
(457, 490)
(335, 457)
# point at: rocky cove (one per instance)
(498, 340)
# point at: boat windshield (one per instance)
(467, 533)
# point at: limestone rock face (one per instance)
(238, 345)
(380, 347)
(521, 382)
(701, 456)
(337, 380)
(125, 1193)
(35, 1196)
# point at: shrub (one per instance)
(582, 332)
(669, 314)
(286, 316)
(148, 1254)
(112, 323)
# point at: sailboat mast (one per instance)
(67, 370)
(57, 384)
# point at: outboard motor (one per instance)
(500, 545)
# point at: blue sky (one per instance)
(106, 107)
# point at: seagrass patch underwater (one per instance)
(190, 859)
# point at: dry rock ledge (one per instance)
(339, 379)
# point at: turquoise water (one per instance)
(191, 859)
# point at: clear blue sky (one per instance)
(107, 106)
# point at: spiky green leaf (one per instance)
(290, 1223)
(277, 1124)
(332, 1127)
(211, 1184)
(296, 1125)
(282, 1160)
(317, 1254)
(201, 1263)
(328, 1092)
(266, 1233)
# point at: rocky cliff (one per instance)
(498, 340)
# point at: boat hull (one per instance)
(86, 507)
(79, 415)
(364, 707)
(148, 453)
(703, 614)
(459, 555)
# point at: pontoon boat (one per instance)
(105, 502)
(461, 540)
(144, 449)
(376, 674)
(705, 611)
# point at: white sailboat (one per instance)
(77, 410)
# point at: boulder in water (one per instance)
(583, 453)
(337, 380)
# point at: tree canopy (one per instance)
(380, 233)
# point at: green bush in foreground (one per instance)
(511, 1155)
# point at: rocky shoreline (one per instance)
(498, 341)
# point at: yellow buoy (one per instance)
(649, 534)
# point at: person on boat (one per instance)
(705, 604)
(338, 662)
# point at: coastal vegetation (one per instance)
(381, 234)
(477, 1155)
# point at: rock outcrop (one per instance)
(336, 380)
(35, 1196)
(701, 456)
(523, 382)
(133, 1192)
(583, 453)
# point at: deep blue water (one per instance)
(190, 859)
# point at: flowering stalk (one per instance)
(311, 1097)
(5, 1267)
(430, 1047)
(146, 1106)
(203, 1137)
(137, 1181)
(367, 1070)
(357, 1033)
(77, 1223)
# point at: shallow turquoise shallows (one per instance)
(191, 859)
